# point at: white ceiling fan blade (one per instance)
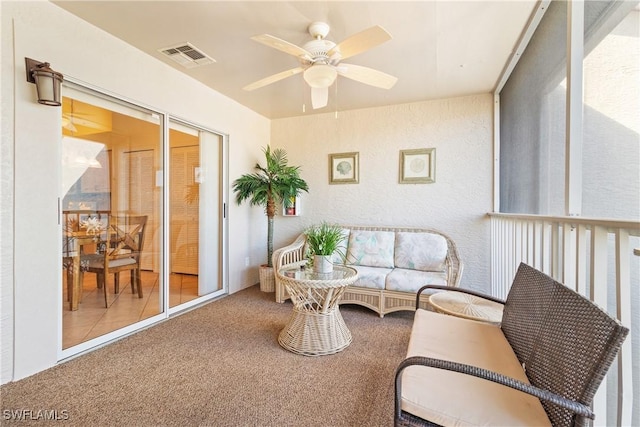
(87, 120)
(366, 75)
(67, 123)
(79, 114)
(361, 41)
(282, 45)
(272, 79)
(319, 97)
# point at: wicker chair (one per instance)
(564, 342)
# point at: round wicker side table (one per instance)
(316, 327)
(467, 306)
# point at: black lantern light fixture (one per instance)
(46, 80)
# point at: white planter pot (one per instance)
(322, 264)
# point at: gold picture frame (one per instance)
(343, 168)
(418, 166)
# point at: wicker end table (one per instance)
(467, 306)
(316, 327)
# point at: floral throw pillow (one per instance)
(371, 248)
(420, 251)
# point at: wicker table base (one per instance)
(315, 334)
(316, 327)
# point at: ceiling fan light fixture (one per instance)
(320, 75)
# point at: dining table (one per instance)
(77, 240)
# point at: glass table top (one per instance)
(307, 274)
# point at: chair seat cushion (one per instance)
(453, 399)
(371, 277)
(114, 263)
(404, 280)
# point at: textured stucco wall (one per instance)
(6, 208)
(460, 129)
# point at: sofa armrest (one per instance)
(576, 407)
(452, 289)
(289, 254)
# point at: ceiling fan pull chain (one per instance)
(335, 102)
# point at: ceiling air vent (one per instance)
(187, 55)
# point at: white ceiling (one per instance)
(439, 49)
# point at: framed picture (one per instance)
(418, 166)
(343, 168)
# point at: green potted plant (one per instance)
(271, 185)
(323, 241)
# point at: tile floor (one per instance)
(92, 319)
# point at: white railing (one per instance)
(597, 258)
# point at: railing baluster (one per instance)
(512, 257)
(537, 245)
(517, 252)
(599, 296)
(568, 256)
(504, 258)
(546, 249)
(581, 259)
(530, 240)
(555, 251)
(623, 308)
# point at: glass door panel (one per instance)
(111, 215)
(194, 206)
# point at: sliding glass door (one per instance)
(132, 236)
(194, 212)
(111, 152)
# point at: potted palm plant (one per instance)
(323, 241)
(271, 185)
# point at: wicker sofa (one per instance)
(541, 366)
(392, 264)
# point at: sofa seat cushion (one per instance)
(465, 400)
(370, 277)
(371, 248)
(420, 251)
(404, 280)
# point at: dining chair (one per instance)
(121, 250)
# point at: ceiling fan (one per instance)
(80, 118)
(320, 61)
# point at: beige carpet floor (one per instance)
(221, 365)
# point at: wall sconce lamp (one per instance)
(46, 80)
